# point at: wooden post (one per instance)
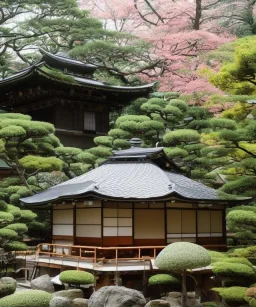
(184, 288)
(145, 283)
(117, 278)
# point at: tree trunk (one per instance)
(184, 289)
(198, 15)
(22, 177)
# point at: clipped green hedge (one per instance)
(232, 294)
(233, 269)
(8, 234)
(27, 298)
(76, 277)
(216, 256)
(252, 302)
(248, 252)
(241, 260)
(16, 246)
(163, 279)
(20, 228)
(182, 255)
(7, 287)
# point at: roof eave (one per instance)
(166, 197)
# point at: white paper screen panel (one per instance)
(124, 231)
(216, 221)
(124, 221)
(88, 231)
(62, 217)
(110, 221)
(204, 221)
(149, 224)
(188, 221)
(88, 216)
(62, 230)
(124, 212)
(173, 221)
(109, 212)
(109, 231)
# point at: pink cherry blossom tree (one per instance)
(181, 32)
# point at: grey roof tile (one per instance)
(127, 180)
(190, 188)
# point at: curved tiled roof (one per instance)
(66, 61)
(126, 180)
(81, 81)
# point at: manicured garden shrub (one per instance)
(163, 279)
(252, 302)
(76, 277)
(27, 298)
(182, 255)
(8, 234)
(232, 294)
(20, 228)
(248, 252)
(233, 269)
(16, 246)
(7, 286)
(240, 260)
(216, 256)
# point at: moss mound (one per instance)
(28, 298)
(163, 279)
(76, 277)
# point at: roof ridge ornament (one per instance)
(135, 142)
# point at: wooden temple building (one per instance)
(62, 91)
(118, 217)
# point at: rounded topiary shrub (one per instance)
(27, 298)
(232, 294)
(163, 279)
(7, 286)
(233, 269)
(76, 277)
(16, 246)
(182, 255)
